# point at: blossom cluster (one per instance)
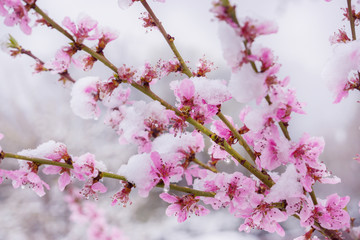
(84, 30)
(84, 168)
(16, 12)
(168, 148)
(342, 71)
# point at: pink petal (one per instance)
(168, 198)
(63, 181)
(156, 158)
(51, 170)
(99, 187)
(187, 88)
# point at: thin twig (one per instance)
(169, 39)
(42, 161)
(198, 162)
(237, 135)
(352, 20)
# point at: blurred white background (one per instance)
(35, 108)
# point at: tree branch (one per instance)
(42, 161)
(263, 177)
(352, 20)
(169, 39)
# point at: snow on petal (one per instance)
(185, 143)
(214, 92)
(87, 166)
(55, 151)
(137, 171)
(246, 85)
(84, 96)
(232, 46)
(287, 186)
(344, 61)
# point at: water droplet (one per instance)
(228, 159)
(166, 189)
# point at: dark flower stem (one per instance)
(352, 20)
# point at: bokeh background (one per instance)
(34, 108)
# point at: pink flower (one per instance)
(149, 75)
(15, 13)
(148, 21)
(340, 69)
(126, 74)
(330, 215)
(333, 215)
(273, 148)
(64, 178)
(200, 97)
(84, 61)
(284, 102)
(184, 145)
(163, 170)
(203, 67)
(92, 188)
(190, 172)
(170, 66)
(185, 91)
(232, 190)
(184, 148)
(86, 166)
(216, 151)
(123, 195)
(222, 13)
(54, 151)
(305, 158)
(143, 122)
(31, 179)
(220, 128)
(183, 206)
(61, 62)
(250, 29)
(340, 37)
(107, 36)
(302, 206)
(86, 28)
(265, 217)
